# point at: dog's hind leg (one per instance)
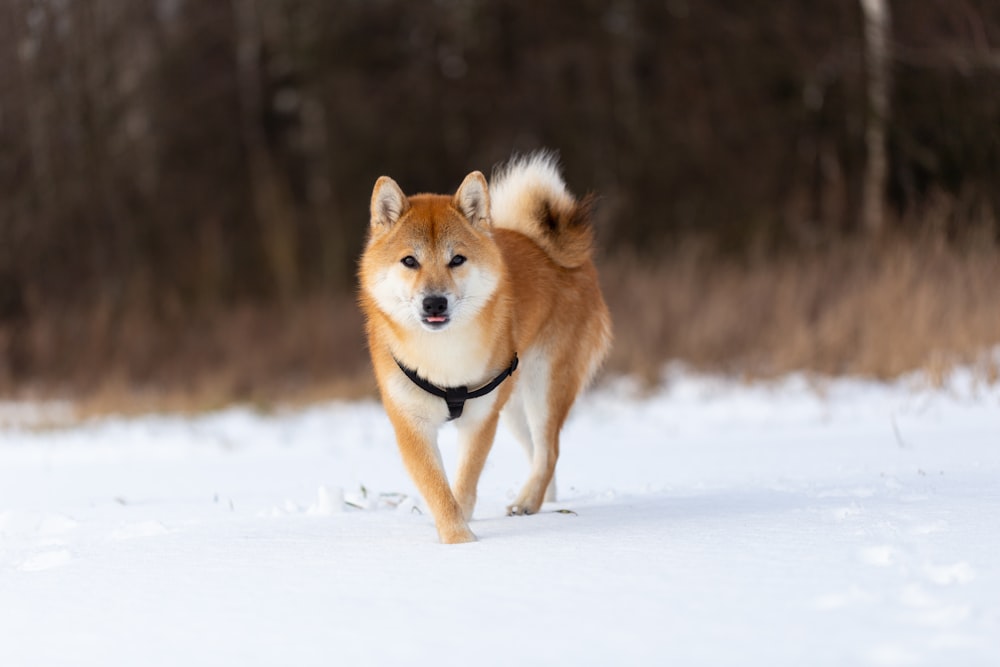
(545, 409)
(517, 422)
(550, 490)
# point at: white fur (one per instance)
(453, 357)
(518, 187)
(473, 199)
(388, 202)
(424, 408)
(526, 413)
(455, 354)
(474, 291)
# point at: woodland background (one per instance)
(784, 185)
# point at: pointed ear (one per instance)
(388, 203)
(473, 199)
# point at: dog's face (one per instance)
(430, 261)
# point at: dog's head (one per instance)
(430, 261)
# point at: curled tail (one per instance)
(528, 195)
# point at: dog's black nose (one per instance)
(435, 305)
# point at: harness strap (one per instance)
(456, 397)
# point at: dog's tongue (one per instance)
(436, 318)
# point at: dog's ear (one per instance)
(388, 204)
(473, 199)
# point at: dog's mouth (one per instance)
(435, 321)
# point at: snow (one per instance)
(818, 522)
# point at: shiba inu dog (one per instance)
(479, 304)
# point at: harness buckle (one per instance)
(455, 397)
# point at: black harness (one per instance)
(456, 397)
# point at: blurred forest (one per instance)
(184, 185)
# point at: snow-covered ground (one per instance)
(796, 523)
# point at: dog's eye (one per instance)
(410, 262)
(457, 260)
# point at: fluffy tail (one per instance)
(528, 195)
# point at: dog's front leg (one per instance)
(418, 447)
(476, 441)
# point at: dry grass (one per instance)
(871, 310)
(857, 309)
(264, 355)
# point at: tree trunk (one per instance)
(876, 34)
(273, 205)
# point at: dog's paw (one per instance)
(529, 501)
(521, 509)
(457, 536)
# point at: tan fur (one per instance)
(527, 286)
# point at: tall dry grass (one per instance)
(876, 310)
(260, 354)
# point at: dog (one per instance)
(477, 305)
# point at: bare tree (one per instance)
(876, 35)
(273, 204)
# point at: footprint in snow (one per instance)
(141, 529)
(946, 575)
(878, 556)
(929, 528)
(27, 524)
(46, 560)
(931, 612)
(853, 596)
